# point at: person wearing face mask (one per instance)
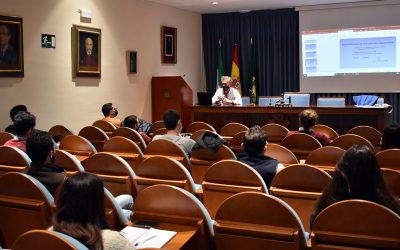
(40, 148)
(172, 122)
(110, 114)
(227, 96)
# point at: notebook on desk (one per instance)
(204, 98)
(147, 237)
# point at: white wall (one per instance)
(48, 89)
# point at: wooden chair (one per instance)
(236, 142)
(328, 131)
(347, 140)
(116, 174)
(281, 154)
(202, 159)
(196, 135)
(275, 132)
(78, 146)
(231, 129)
(160, 131)
(115, 217)
(126, 149)
(177, 210)
(58, 132)
(228, 177)
(356, 224)
(47, 240)
(164, 170)
(69, 162)
(301, 144)
(95, 135)
(25, 204)
(325, 158)
(389, 158)
(369, 133)
(253, 220)
(13, 160)
(392, 179)
(4, 137)
(132, 135)
(156, 125)
(194, 126)
(300, 186)
(106, 126)
(167, 148)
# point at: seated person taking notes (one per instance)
(227, 95)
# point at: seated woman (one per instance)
(391, 137)
(81, 214)
(357, 176)
(307, 120)
(133, 122)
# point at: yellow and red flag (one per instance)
(235, 73)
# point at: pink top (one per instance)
(21, 144)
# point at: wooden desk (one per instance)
(340, 119)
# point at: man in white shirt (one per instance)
(226, 95)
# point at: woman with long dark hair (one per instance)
(81, 214)
(357, 176)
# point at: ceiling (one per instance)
(206, 6)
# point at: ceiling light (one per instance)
(214, 3)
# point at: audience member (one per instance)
(227, 95)
(391, 137)
(144, 126)
(40, 148)
(24, 123)
(307, 120)
(172, 122)
(255, 144)
(15, 110)
(357, 176)
(110, 113)
(81, 214)
(133, 123)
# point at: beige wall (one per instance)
(48, 88)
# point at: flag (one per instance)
(220, 68)
(235, 74)
(253, 80)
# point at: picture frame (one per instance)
(131, 58)
(168, 45)
(11, 47)
(86, 51)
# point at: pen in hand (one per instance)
(141, 242)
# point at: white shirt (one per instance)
(232, 95)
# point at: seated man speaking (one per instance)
(226, 95)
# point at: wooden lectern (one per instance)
(171, 92)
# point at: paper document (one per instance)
(147, 238)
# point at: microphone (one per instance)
(290, 99)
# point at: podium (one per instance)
(171, 92)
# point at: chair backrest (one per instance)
(163, 170)
(5, 136)
(126, 149)
(331, 101)
(132, 135)
(236, 143)
(389, 158)
(275, 132)
(47, 240)
(167, 148)
(253, 220)
(157, 125)
(300, 186)
(58, 132)
(202, 159)
(222, 181)
(356, 224)
(325, 158)
(231, 129)
(196, 135)
(297, 99)
(115, 217)
(78, 146)
(195, 126)
(348, 140)
(13, 160)
(69, 162)
(369, 133)
(301, 144)
(392, 179)
(95, 135)
(328, 131)
(174, 207)
(160, 131)
(269, 100)
(281, 154)
(115, 172)
(106, 126)
(25, 204)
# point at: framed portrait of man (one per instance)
(86, 51)
(168, 45)
(11, 47)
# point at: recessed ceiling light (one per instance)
(215, 3)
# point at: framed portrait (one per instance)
(131, 57)
(168, 45)
(11, 47)
(86, 51)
